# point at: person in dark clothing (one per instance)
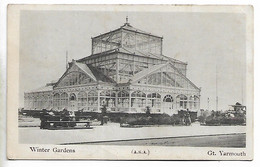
(44, 117)
(103, 112)
(187, 119)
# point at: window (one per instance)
(129, 40)
(196, 102)
(92, 100)
(72, 97)
(75, 78)
(56, 101)
(169, 79)
(168, 98)
(40, 102)
(191, 102)
(45, 102)
(123, 99)
(82, 100)
(30, 105)
(154, 100)
(34, 102)
(64, 100)
(107, 98)
(138, 99)
(182, 101)
(154, 79)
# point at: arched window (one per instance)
(123, 94)
(72, 97)
(168, 104)
(82, 100)
(168, 98)
(196, 102)
(154, 100)
(92, 100)
(191, 102)
(107, 98)
(182, 101)
(64, 100)
(138, 94)
(56, 100)
(123, 99)
(138, 99)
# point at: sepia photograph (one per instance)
(140, 79)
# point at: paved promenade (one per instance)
(112, 131)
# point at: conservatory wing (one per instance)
(163, 75)
(76, 74)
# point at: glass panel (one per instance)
(182, 101)
(75, 78)
(154, 100)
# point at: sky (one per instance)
(213, 45)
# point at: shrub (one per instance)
(225, 120)
(152, 119)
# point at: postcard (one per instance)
(130, 82)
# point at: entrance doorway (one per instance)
(168, 104)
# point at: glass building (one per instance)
(127, 72)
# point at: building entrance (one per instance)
(168, 105)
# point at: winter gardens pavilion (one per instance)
(126, 72)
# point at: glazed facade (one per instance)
(127, 72)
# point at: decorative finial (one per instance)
(126, 19)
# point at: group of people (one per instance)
(185, 117)
(46, 117)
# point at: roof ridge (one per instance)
(132, 28)
(90, 74)
(94, 69)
